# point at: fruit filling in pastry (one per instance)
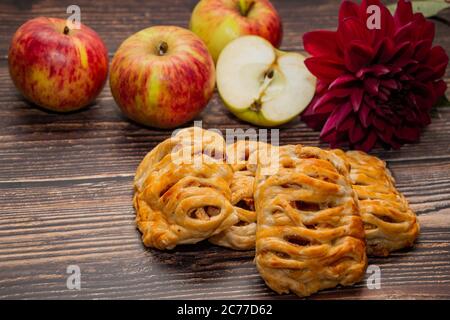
(309, 234)
(182, 190)
(389, 222)
(243, 157)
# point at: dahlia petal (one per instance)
(403, 55)
(364, 116)
(422, 49)
(369, 142)
(438, 60)
(346, 125)
(341, 113)
(389, 83)
(324, 108)
(408, 32)
(371, 85)
(375, 70)
(343, 81)
(385, 49)
(356, 134)
(321, 87)
(323, 99)
(364, 113)
(425, 119)
(333, 139)
(428, 30)
(379, 124)
(357, 56)
(409, 134)
(369, 102)
(383, 96)
(403, 13)
(439, 88)
(386, 135)
(312, 119)
(352, 29)
(423, 29)
(336, 118)
(394, 144)
(425, 73)
(405, 77)
(425, 102)
(348, 9)
(327, 128)
(324, 69)
(356, 98)
(322, 43)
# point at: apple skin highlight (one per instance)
(57, 71)
(218, 22)
(162, 89)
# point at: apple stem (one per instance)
(66, 30)
(162, 48)
(245, 6)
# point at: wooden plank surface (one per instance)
(66, 183)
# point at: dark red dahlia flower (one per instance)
(374, 85)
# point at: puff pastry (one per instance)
(182, 190)
(309, 234)
(389, 222)
(243, 157)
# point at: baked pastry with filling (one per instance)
(243, 158)
(389, 222)
(309, 234)
(182, 190)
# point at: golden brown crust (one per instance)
(182, 190)
(389, 222)
(243, 157)
(309, 235)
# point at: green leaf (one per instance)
(429, 8)
(443, 102)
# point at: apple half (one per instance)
(262, 85)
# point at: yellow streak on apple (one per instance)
(82, 52)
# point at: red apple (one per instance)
(218, 22)
(55, 67)
(162, 76)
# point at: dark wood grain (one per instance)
(66, 183)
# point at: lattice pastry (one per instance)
(243, 157)
(309, 235)
(389, 222)
(182, 190)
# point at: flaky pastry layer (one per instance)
(309, 234)
(182, 190)
(243, 157)
(389, 222)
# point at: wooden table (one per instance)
(66, 183)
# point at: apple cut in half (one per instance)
(262, 85)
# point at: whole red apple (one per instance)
(218, 22)
(57, 68)
(162, 76)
